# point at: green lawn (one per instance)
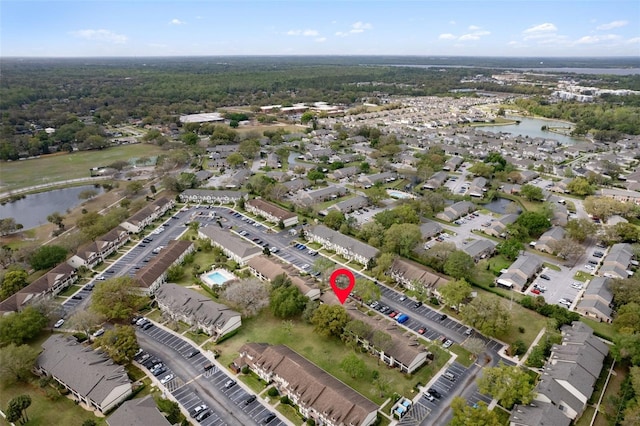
(253, 382)
(58, 167)
(290, 413)
(552, 266)
(582, 276)
(69, 291)
(199, 338)
(603, 329)
(43, 411)
(327, 354)
(464, 356)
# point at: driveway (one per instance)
(192, 386)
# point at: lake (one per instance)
(532, 127)
(32, 211)
(499, 205)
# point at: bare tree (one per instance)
(85, 320)
(249, 296)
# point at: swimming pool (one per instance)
(217, 277)
(399, 194)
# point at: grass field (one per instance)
(327, 354)
(64, 166)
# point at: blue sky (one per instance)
(309, 27)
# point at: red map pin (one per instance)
(342, 293)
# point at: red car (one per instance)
(535, 291)
(393, 314)
(421, 330)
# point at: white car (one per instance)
(58, 323)
(590, 267)
(576, 286)
(99, 333)
(167, 378)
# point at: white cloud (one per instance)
(542, 28)
(474, 28)
(100, 35)
(634, 40)
(447, 36)
(360, 27)
(341, 34)
(176, 21)
(452, 22)
(321, 39)
(597, 39)
(612, 25)
(474, 36)
(303, 33)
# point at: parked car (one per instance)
(77, 297)
(58, 323)
(159, 371)
(230, 384)
(443, 317)
(203, 415)
(268, 418)
(198, 409)
(417, 304)
(429, 397)
(421, 330)
(402, 318)
(545, 277)
(99, 333)
(167, 378)
(193, 353)
(447, 343)
(435, 393)
(249, 400)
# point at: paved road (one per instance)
(192, 386)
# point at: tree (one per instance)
(580, 186)
(532, 192)
(381, 341)
(120, 343)
(12, 282)
(383, 263)
(438, 254)
(376, 194)
(189, 138)
(324, 267)
(57, 219)
(566, 248)
(330, 320)
(249, 296)
(16, 363)
(249, 148)
(508, 384)
(235, 159)
(134, 187)
(510, 248)
(536, 223)
(366, 289)
(459, 265)
(402, 238)
(353, 366)
(580, 229)
(84, 320)
(626, 232)
(315, 175)
(9, 225)
(466, 415)
(481, 169)
(334, 219)
(117, 298)
(627, 319)
(488, 315)
(46, 257)
(18, 408)
(454, 293)
(22, 326)
(356, 328)
(287, 301)
(175, 273)
(603, 208)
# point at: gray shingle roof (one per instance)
(344, 241)
(232, 243)
(89, 372)
(138, 412)
(192, 304)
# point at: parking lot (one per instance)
(461, 235)
(190, 376)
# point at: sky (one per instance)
(137, 28)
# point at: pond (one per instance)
(532, 127)
(32, 211)
(500, 205)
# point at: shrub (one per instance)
(285, 400)
(273, 392)
(245, 370)
(521, 329)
